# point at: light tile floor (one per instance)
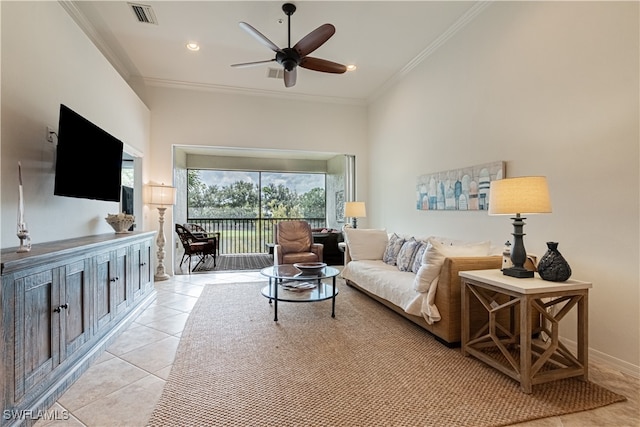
(122, 387)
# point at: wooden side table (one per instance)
(519, 349)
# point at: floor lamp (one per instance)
(163, 196)
(355, 210)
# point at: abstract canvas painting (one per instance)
(465, 189)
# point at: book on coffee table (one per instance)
(298, 286)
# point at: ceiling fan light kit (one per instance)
(292, 57)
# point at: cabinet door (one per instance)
(146, 272)
(122, 292)
(141, 268)
(104, 290)
(37, 335)
(74, 308)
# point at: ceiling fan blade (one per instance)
(314, 39)
(259, 36)
(290, 77)
(322, 65)
(252, 64)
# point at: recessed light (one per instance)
(193, 46)
(351, 67)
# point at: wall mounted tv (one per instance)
(88, 159)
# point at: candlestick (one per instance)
(23, 231)
(20, 197)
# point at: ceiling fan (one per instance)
(292, 57)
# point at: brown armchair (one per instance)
(294, 243)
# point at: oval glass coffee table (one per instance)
(287, 283)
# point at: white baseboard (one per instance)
(606, 359)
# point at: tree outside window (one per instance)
(248, 194)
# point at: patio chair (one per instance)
(202, 248)
(294, 243)
(201, 234)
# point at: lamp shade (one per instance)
(161, 195)
(355, 210)
(521, 195)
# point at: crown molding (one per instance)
(94, 36)
(458, 25)
(173, 84)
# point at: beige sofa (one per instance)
(430, 296)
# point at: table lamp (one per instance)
(163, 196)
(521, 195)
(355, 210)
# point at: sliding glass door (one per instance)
(244, 206)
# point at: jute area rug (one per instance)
(367, 366)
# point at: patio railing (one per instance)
(247, 235)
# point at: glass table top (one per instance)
(288, 271)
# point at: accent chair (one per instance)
(294, 243)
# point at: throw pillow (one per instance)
(434, 257)
(366, 243)
(393, 248)
(417, 259)
(406, 255)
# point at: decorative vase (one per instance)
(553, 266)
(120, 222)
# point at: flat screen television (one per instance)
(88, 159)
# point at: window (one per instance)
(248, 194)
(293, 195)
(244, 206)
(222, 194)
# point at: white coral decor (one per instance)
(120, 222)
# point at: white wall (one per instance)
(552, 89)
(187, 117)
(47, 60)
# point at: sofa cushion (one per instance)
(406, 255)
(387, 282)
(435, 254)
(393, 248)
(299, 257)
(417, 259)
(366, 243)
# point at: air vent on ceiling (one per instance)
(144, 13)
(275, 73)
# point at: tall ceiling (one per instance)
(382, 38)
